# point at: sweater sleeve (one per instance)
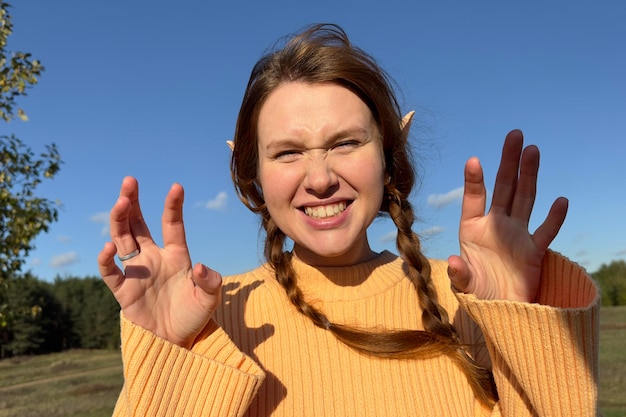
(162, 379)
(544, 354)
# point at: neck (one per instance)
(354, 257)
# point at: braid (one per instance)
(434, 316)
(281, 263)
(439, 336)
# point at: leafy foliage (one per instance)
(612, 281)
(22, 215)
(34, 318)
(71, 313)
(18, 71)
(91, 313)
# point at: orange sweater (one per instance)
(266, 359)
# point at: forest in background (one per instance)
(81, 313)
(70, 313)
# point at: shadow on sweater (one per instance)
(234, 303)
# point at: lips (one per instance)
(325, 211)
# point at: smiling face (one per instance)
(321, 169)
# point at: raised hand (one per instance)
(499, 258)
(158, 288)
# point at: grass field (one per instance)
(75, 383)
(612, 378)
(87, 383)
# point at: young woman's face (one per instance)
(322, 170)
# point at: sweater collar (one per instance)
(352, 282)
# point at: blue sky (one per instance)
(152, 89)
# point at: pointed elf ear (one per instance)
(405, 124)
(231, 145)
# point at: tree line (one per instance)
(612, 281)
(74, 313)
(70, 313)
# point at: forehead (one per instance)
(296, 109)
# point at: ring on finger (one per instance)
(129, 256)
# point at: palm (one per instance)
(495, 246)
(158, 290)
(170, 286)
(499, 258)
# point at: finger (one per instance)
(459, 274)
(172, 219)
(120, 228)
(111, 274)
(506, 178)
(526, 190)
(138, 226)
(545, 234)
(210, 282)
(474, 192)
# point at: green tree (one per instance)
(34, 325)
(18, 71)
(91, 313)
(612, 281)
(23, 215)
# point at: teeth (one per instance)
(322, 212)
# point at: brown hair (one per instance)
(323, 53)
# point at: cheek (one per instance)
(374, 182)
(369, 173)
(278, 185)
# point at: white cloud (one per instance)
(103, 219)
(35, 262)
(435, 230)
(389, 237)
(64, 239)
(582, 237)
(64, 259)
(219, 202)
(442, 200)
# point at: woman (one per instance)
(331, 327)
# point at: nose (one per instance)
(321, 179)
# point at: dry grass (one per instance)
(87, 383)
(612, 379)
(74, 383)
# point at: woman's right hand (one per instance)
(158, 288)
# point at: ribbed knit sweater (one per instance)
(260, 357)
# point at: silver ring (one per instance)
(129, 256)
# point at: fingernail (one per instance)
(204, 273)
(451, 271)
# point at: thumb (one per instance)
(210, 284)
(459, 273)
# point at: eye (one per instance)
(346, 145)
(287, 155)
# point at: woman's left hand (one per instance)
(499, 258)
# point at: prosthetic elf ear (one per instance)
(405, 124)
(231, 145)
